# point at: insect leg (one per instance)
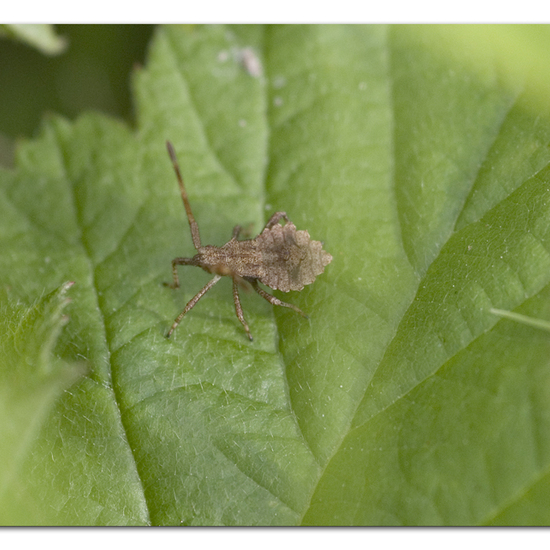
(175, 263)
(239, 309)
(192, 303)
(275, 219)
(274, 301)
(236, 232)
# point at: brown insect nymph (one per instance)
(279, 257)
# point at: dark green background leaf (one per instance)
(403, 400)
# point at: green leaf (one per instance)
(41, 37)
(404, 399)
(31, 381)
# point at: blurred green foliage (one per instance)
(92, 74)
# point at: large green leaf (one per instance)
(404, 399)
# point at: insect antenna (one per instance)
(192, 222)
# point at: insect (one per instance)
(279, 257)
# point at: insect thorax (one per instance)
(241, 258)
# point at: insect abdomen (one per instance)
(290, 259)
